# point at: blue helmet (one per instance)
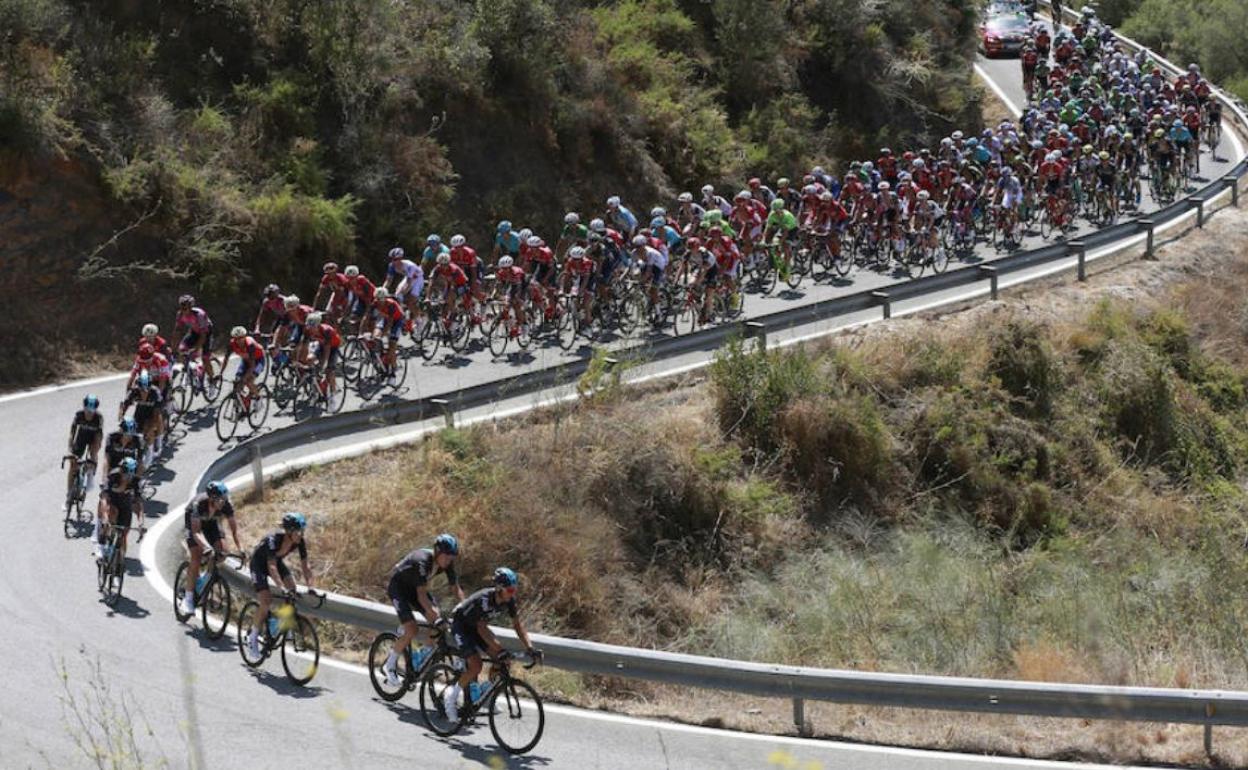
(217, 489)
(658, 222)
(129, 426)
(91, 402)
(144, 379)
(129, 465)
(446, 543)
(504, 226)
(433, 240)
(294, 520)
(505, 578)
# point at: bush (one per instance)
(752, 388)
(1021, 359)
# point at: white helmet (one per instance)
(639, 240)
(924, 195)
(457, 241)
(505, 262)
(534, 242)
(658, 211)
(238, 331)
(885, 186)
(576, 252)
(919, 163)
(613, 202)
(598, 226)
(743, 195)
(685, 197)
(571, 218)
(382, 293)
(150, 330)
(707, 190)
(314, 319)
(524, 234)
(396, 253)
(351, 271)
(825, 196)
(444, 259)
(291, 302)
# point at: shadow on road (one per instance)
(283, 686)
(484, 755)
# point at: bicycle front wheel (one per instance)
(435, 687)
(516, 716)
(247, 619)
(227, 418)
(179, 590)
(115, 575)
(301, 651)
(377, 654)
(214, 608)
(259, 411)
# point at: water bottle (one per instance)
(272, 626)
(474, 692)
(200, 583)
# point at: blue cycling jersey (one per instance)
(1181, 135)
(624, 220)
(669, 235)
(508, 242)
(430, 254)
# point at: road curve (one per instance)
(205, 709)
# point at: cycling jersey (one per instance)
(483, 605)
(157, 366)
(145, 401)
(389, 309)
(466, 257)
(431, 253)
(325, 334)
(85, 430)
(337, 283)
(121, 490)
(623, 218)
(507, 243)
(782, 220)
(116, 449)
(158, 343)
(195, 319)
(577, 233)
(247, 349)
(199, 509)
(579, 265)
(418, 567)
(270, 549)
(452, 273)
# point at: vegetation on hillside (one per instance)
(250, 140)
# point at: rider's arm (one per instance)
(427, 607)
(487, 636)
(520, 632)
(307, 571)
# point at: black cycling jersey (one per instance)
(89, 426)
(149, 396)
(419, 566)
(118, 485)
(115, 451)
(269, 545)
(483, 605)
(198, 509)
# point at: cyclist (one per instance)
(690, 214)
(151, 335)
(830, 217)
(712, 202)
(781, 224)
(578, 278)
(654, 263)
(147, 399)
(154, 363)
(466, 258)
(360, 292)
(1107, 180)
(619, 215)
(761, 192)
(471, 631)
(925, 221)
(707, 277)
(453, 280)
(85, 433)
(1008, 195)
(250, 361)
(433, 247)
(202, 526)
(510, 281)
(267, 562)
(272, 311)
(747, 219)
(408, 590)
(1183, 141)
(328, 344)
(198, 331)
(387, 316)
(409, 280)
(119, 501)
(506, 243)
(573, 234)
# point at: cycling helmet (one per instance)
(291, 302)
(693, 244)
(708, 190)
(742, 195)
(885, 186)
(314, 319)
(505, 578)
(381, 293)
(715, 215)
(272, 289)
(1103, 155)
(685, 197)
(777, 204)
(598, 226)
(129, 465)
(330, 267)
(503, 227)
(524, 234)
(91, 402)
(924, 195)
(433, 240)
(956, 136)
(444, 259)
(505, 262)
(613, 202)
(658, 222)
(809, 189)
(640, 240)
(129, 426)
(446, 543)
(186, 299)
(1087, 149)
(825, 196)
(217, 489)
(150, 330)
(782, 182)
(576, 252)
(396, 253)
(146, 350)
(294, 521)
(972, 142)
(238, 331)
(535, 242)
(919, 163)
(817, 170)
(459, 240)
(571, 218)
(884, 151)
(658, 211)
(351, 271)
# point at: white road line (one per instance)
(996, 89)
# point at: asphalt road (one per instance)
(205, 709)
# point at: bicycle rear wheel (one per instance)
(115, 575)
(434, 687)
(214, 607)
(377, 654)
(517, 718)
(301, 651)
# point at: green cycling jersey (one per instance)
(782, 221)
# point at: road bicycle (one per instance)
(312, 389)
(190, 379)
(212, 593)
(923, 254)
(453, 329)
(287, 630)
(513, 708)
(76, 493)
(364, 365)
(828, 250)
(410, 673)
(111, 570)
(241, 406)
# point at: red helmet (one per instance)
(146, 350)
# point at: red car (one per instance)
(1003, 34)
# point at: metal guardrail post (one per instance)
(804, 728)
(1209, 731)
(447, 413)
(991, 272)
(882, 298)
(758, 331)
(1149, 225)
(1081, 251)
(257, 472)
(1200, 212)
(1233, 181)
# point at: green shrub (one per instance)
(752, 388)
(1021, 359)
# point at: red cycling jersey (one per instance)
(464, 256)
(158, 366)
(158, 343)
(247, 348)
(325, 334)
(578, 265)
(389, 309)
(299, 314)
(452, 273)
(511, 275)
(363, 289)
(542, 255)
(337, 282)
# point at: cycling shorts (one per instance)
(712, 276)
(244, 367)
(403, 598)
(467, 639)
(396, 329)
(333, 352)
(143, 413)
(296, 333)
(82, 442)
(195, 340)
(123, 504)
(211, 531)
(542, 272)
(260, 572)
(656, 273)
(357, 306)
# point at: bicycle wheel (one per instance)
(940, 259)
(336, 396)
(516, 716)
(212, 385)
(284, 386)
(182, 393)
(179, 591)
(686, 320)
(115, 575)
(301, 651)
(567, 325)
(214, 607)
(461, 331)
(434, 685)
(352, 355)
(799, 268)
(259, 411)
(400, 372)
(246, 619)
(228, 417)
(915, 261)
(378, 651)
(428, 336)
(498, 336)
(101, 574)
